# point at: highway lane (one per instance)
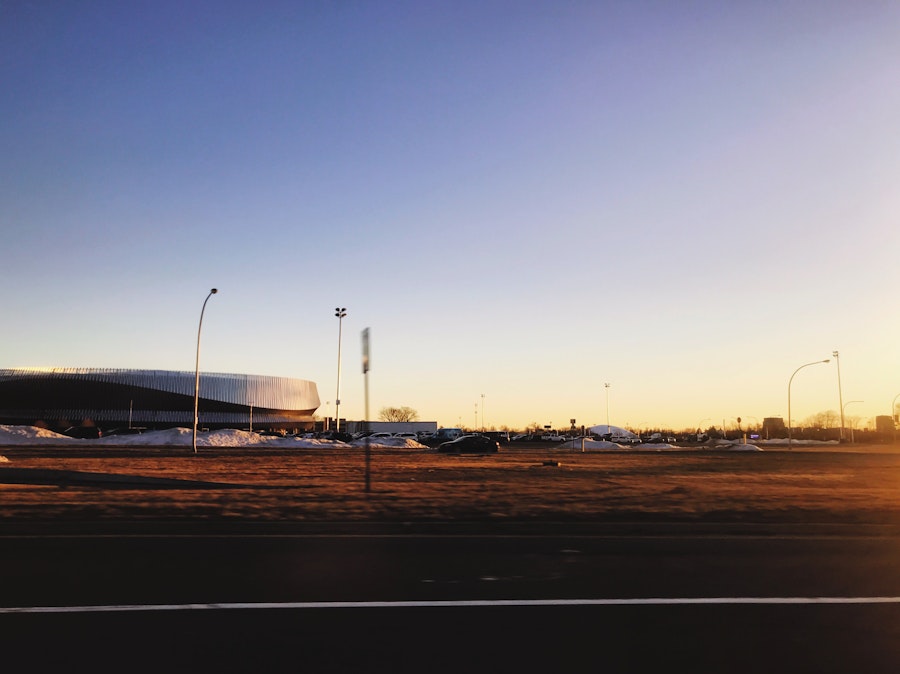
(273, 579)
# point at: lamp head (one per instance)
(213, 291)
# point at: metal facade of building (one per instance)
(59, 398)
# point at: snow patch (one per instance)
(30, 435)
(743, 448)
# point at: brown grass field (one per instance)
(838, 485)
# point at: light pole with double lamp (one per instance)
(340, 312)
(197, 371)
(790, 424)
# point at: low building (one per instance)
(65, 398)
(773, 427)
(389, 426)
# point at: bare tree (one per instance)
(826, 419)
(398, 414)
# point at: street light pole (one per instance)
(842, 415)
(700, 426)
(482, 412)
(606, 386)
(340, 312)
(837, 359)
(197, 372)
(790, 423)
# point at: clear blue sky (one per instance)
(687, 200)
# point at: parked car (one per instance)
(552, 437)
(470, 443)
(339, 436)
(83, 432)
(441, 435)
(407, 436)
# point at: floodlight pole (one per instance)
(606, 386)
(340, 312)
(197, 372)
(790, 434)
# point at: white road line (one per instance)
(649, 601)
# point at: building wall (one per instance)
(59, 397)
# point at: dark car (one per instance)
(339, 436)
(83, 432)
(470, 443)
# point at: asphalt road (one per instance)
(452, 598)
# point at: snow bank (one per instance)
(656, 446)
(171, 437)
(743, 448)
(592, 444)
(603, 429)
(30, 435)
(784, 442)
(183, 437)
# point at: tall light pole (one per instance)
(482, 412)
(340, 312)
(842, 415)
(700, 426)
(790, 433)
(606, 386)
(837, 359)
(197, 371)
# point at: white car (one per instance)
(408, 436)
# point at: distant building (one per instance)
(62, 398)
(773, 427)
(884, 424)
(389, 426)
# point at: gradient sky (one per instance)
(525, 200)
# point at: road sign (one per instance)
(365, 350)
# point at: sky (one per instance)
(523, 202)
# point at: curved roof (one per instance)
(153, 396)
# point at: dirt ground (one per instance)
(858, 484)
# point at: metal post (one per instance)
(365, 369)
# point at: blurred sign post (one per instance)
(365, 369)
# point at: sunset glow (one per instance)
(522, 202)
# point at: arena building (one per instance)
(63, 399)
